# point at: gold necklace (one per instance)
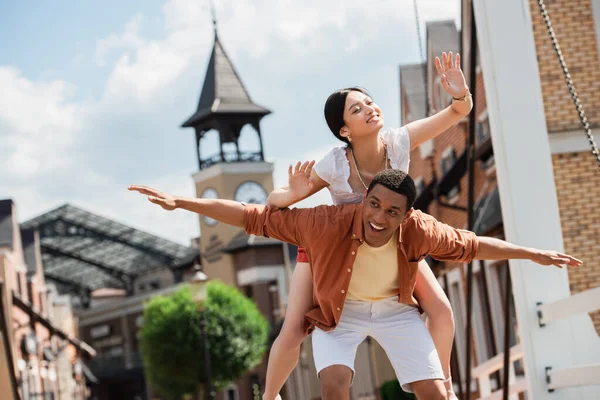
(356, 165)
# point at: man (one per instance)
(364, 264)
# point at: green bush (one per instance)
(391, 390)
(171, 340)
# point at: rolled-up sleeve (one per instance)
(454, 244)
(287, 225)
(441, 241)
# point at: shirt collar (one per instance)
(357, 226)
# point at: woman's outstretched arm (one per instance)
(454, 84)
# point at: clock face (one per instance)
(250, 192)
(209, 193)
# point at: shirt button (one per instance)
(343, 291)
(338, 309)
(353, 235)
(349, 270)
(353, 253)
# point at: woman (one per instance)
(347, 171)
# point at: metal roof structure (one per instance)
(82, 251)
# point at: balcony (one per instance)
(228, 157)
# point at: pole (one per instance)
(207, 367)
(471, 194)
(507, 294)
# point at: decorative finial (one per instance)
(214, 15)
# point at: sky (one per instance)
(93, 94)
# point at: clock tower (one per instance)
(231, 172)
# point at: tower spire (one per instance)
(224, 106)
(213, 14)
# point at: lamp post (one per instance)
(198, 288)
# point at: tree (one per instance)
(171, 340)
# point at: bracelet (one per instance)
(468, 94)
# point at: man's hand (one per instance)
(557, 259)
(164, 200)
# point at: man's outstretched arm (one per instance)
(495, 249)
(226, 211)
(446, 243)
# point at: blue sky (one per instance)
(93, 94)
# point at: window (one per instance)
(453, 193)
(448, 160)
(497, 288)
(482, 330)
(155, 284)
(457, 300)
(482, 130)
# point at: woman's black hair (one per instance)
(334, 110)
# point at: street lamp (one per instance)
(198, 288)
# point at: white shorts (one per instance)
(398, 328)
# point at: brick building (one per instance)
(43, 356)
(440, 166)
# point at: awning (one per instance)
(29, 309)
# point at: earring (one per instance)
(350, 138)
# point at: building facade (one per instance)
(440, 168)
(44, 357)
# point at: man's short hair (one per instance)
(397, 181)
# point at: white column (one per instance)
(528, 194)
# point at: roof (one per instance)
(223, 91)
(82, 250)
(443, 37)
(412, 84)
(6, 223)
(243, 241)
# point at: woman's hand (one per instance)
(452, 76)
(300, 182)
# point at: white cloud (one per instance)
(38, 123)
(289, 33)
(128, 39)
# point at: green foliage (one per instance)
(391, 390)
(172, 346)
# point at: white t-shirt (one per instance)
(335, 169)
